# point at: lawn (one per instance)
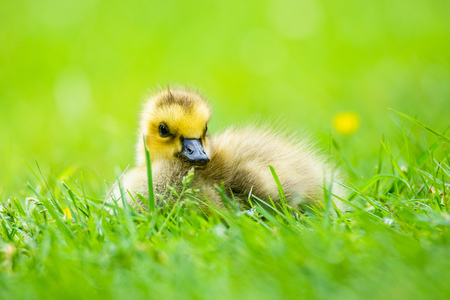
(370, 82)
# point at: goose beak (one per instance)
(194, 153)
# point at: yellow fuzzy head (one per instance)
(170, 117)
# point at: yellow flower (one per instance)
(346, 123)
(66, 211)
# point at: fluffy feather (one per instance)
(239, 158)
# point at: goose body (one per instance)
(174, 124)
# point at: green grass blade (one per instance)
(283, 200)
(415, 121)
(151, 195)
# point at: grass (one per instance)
(393, 244)
(73, 75)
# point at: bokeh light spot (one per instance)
(295, 19)
(346, 123)
(73, 94)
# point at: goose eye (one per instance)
(163, 131)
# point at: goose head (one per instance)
(174, 126)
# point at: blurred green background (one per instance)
(74, 73)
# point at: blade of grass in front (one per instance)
(61, 225)
(126, 212)
(394, 162)
(18, 206)
(151, 195)
(227, 202)
(328, 201)
(73, 197)
(281, 193)
(422, 125)
(445, 197)
(379, 167)
(344, 158)
(405, 138)
(53, 198)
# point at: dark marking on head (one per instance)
(170, 98)
(174, 98)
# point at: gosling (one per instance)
(174, 126)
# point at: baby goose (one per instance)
(174, 126)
